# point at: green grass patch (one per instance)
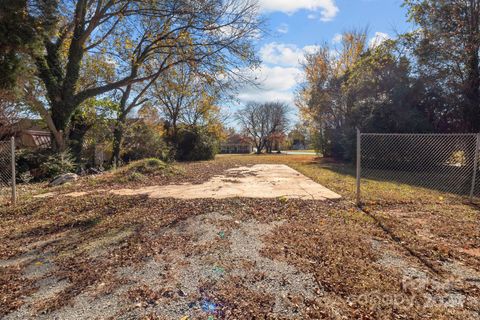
(341, 179)
(145, 166)
(302, 151)
(141, 170)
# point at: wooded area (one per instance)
(426, 80)
(80, 65)
(94, 70)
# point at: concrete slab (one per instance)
(258, 181)
(45, 195)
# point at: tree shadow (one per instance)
(448, 179)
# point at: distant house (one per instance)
(236, 143)
(33, 139)
(28, 134)
(297, 138)
(298, 144)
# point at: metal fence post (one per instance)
(475, 166)
(359, 167)
(14, 181)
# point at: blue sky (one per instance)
(297, 26)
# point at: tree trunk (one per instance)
(78, 128)
(174, 134)
(118, 139)
(472, 84)
(472, 94)
(259, 147)
(58, 141)
(119, 126)
(268, 146)
(70, 127)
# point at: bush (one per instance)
(150, 166)
(43, 164)
(196, 144)
(143, 141)
(146, 166)
(135, 177)
(139, 170)
(58, 163)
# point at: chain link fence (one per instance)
(7, 170)
(441, 162)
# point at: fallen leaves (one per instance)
(332, 241)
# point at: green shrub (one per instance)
(135, 177)
(147, 166)
(142, 141)
(137, 170)
(41, 164)
(194, 144)
(58, 163)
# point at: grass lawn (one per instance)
(411, 254)
(301, 151)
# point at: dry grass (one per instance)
(410, 256)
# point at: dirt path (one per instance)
(258, 181)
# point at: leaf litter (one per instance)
(122, 257)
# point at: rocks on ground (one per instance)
(63, 178)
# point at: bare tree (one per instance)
(186, 96)
(176, 92)
(263, 123)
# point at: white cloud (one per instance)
(274, 84)
(281, 54)
(312, 16)
(377, 39)
(285, 54)
(337, 38)
(278, 78)
(278, 75)
(229, 31)
(327, 8)
(283, 28)
(311, 49)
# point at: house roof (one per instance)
(237, 139)
(40, 138)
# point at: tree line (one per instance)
(72, 63)
(426, 80)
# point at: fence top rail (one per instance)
(418, 134)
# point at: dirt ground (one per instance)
(99, 255)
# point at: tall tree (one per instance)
(187, 96)
(322, 99)
(177, 91)
(447, 45)
(129, 34)
(372, 89)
